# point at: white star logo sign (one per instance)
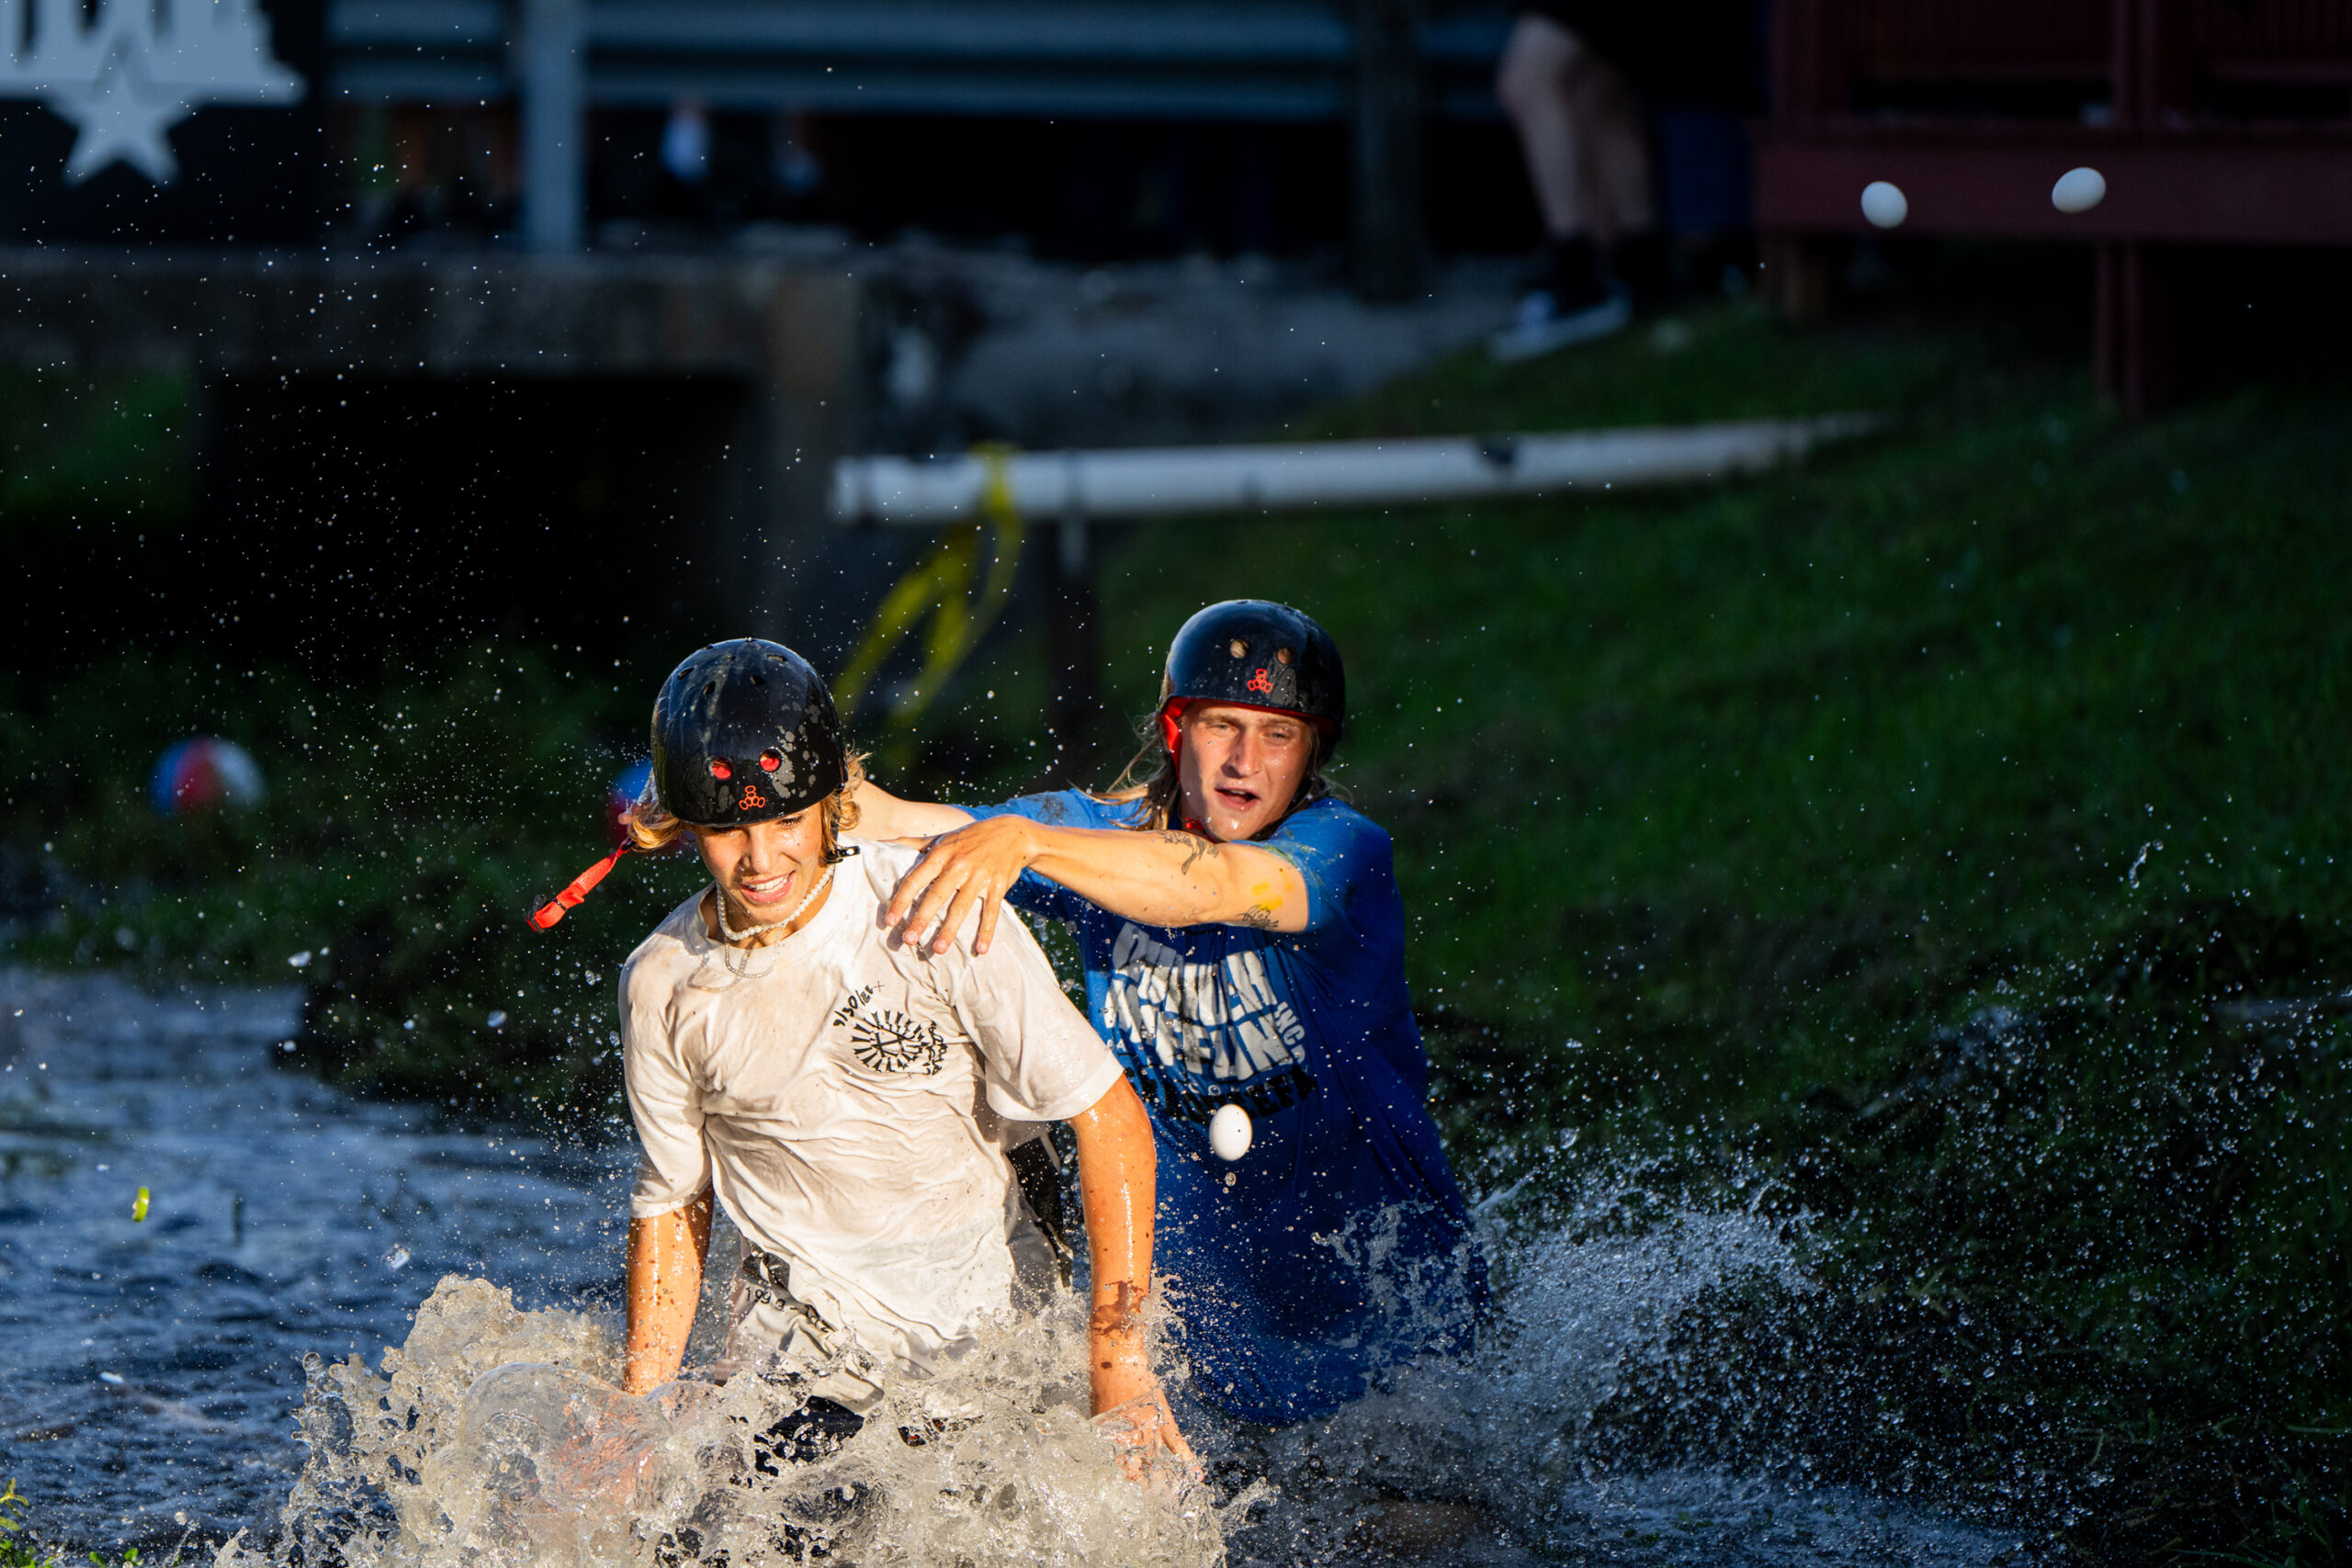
(121, 115)
(137, 69)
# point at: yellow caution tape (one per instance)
(939, 586)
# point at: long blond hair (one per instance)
(650, 827)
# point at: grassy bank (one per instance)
(1774, 767)
(1946, 834)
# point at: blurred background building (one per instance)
(629, 266)
(616, 267)
(1089, 129)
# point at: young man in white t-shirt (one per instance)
(851, 1100)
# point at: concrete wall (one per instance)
(415, 409)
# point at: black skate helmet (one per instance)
(745, 732)
(1257, 654)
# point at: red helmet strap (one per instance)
(1172, 723)
(550, 910)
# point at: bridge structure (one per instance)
(406, 447)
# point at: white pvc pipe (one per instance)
(1164, 482)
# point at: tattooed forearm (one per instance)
(1194, 846)
(1121, 1315)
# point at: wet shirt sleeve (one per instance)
(1062, 808)
(673, 1168)
(1335, 852)
(1040, 1061)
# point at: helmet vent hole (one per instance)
(1239, 649)
(771, 758)
(709, 688)
(719, 770)
(758, 679)
(1285, 655)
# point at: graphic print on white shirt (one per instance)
(1220, 1020)
(850, 1105)
(889, 1041)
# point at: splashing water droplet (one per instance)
(507, 1442)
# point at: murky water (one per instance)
(151, 1365)
(157, 1380)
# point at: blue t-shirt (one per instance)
(1338, 1245)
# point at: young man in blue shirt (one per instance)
(1243, 940)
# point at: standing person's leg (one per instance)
(1580, 133)
(1532, 83)
(1615, 144)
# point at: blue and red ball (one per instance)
(630, 785)
(205, 773)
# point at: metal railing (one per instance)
(1366, 63)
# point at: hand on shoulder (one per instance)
(957, 873)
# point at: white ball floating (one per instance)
(1883, 204)
(1229, 1133)
(2078, 190)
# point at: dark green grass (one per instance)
(114, 446)
(1771, 777)
(1761, 771)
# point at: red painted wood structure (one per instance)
(2214, 122)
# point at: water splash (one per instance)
(1481, 1458)
(495, 1437)
(1603, 1397)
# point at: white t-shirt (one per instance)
(851, 1100)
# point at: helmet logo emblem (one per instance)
(752, 799)
(1261, 682)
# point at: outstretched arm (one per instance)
(1116, 1172)
(1160, 878)
(665, 1261)
(881, 815)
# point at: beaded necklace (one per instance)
(730, 953)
